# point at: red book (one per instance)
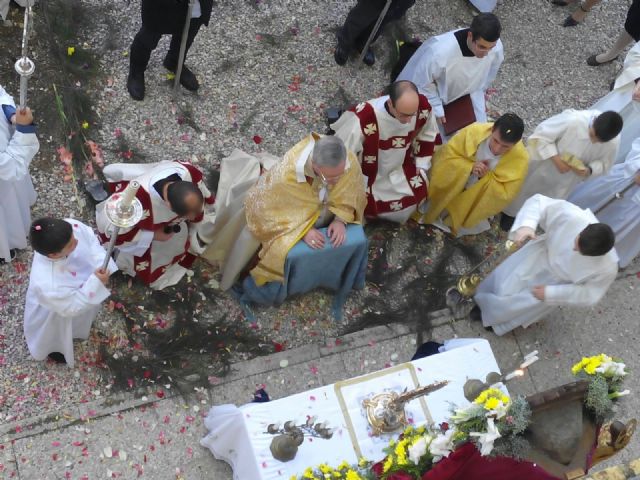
(459, 114)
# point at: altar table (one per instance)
(238, 435)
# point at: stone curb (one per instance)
(627, 471)
(112, 404)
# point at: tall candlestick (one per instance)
(129, 194)
(532, 354)
(529, 361)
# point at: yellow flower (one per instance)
(308, 473)
(363, 462)
(491, 403)
(324, 468)
(293, 477)
(71, 51)
(343, 465)
(85, 124)
(388, 463)
(505, 399)
(352, 475)
(171, 76)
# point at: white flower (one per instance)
(398, 143)
(442, 445)
(396, 206)
(612, 369)
(615, 395)
(486, 439)
(417, 450)
(461, 415)
(370, 159)
(370, 129)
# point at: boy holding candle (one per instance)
(66, 287)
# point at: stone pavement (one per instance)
(157, 435)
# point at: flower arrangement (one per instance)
(493, 421)
(606, 376)
(344, 471)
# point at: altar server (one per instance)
(572, 264)
(164, 244)
(458, 63)
(393, 137)
(565, 150)
(625, 99)
(66, 287)
(476, 174)
(18, 146)
(622, 214)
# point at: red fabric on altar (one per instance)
(466, 463)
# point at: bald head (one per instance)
(403, 100)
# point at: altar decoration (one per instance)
(285, 445)
(605, 375)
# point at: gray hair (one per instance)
(329, 151)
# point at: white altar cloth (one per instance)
(238, 435)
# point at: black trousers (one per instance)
(632, 23)
(146, 40)
(362, 18)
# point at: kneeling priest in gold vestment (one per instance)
(306, 214)
(476, 174)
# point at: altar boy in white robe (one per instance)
(622, 214)
(393, 137)
(567, 149)
(458, 63)
(573, 263)
(18, 146)
(66, 287)
(161, 248)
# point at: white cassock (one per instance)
(570, 278)
(64, 296)
(619, 100)
(623, 215)
(484, 5)
(443, 74)
(159, 264)
(17, 149)
(399, 145)
(565, 133)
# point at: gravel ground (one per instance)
(267, 73)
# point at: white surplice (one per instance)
(391, 182)
(565, 133)
(484, 5)
(623, 215)
(619, 100)
(64, 296)
(17, 149)
(570, 278)
(443, 74)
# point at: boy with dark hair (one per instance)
(66, 287)
(572, 264)
(456, 64)
(476, 174)
(567, 149)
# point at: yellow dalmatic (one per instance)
(452, 165)
(282, 207)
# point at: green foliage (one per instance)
(514, 446)
(597, 399)
(517, 419)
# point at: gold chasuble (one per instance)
(452, 165)
(283, 206)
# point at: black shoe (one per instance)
(187, 78)
(570, 22)
(57, 357)
(369, 58)
(135, 85)
(506, 222)
(341, 55)
(13, 252)
(475, 314)
(593, 62)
